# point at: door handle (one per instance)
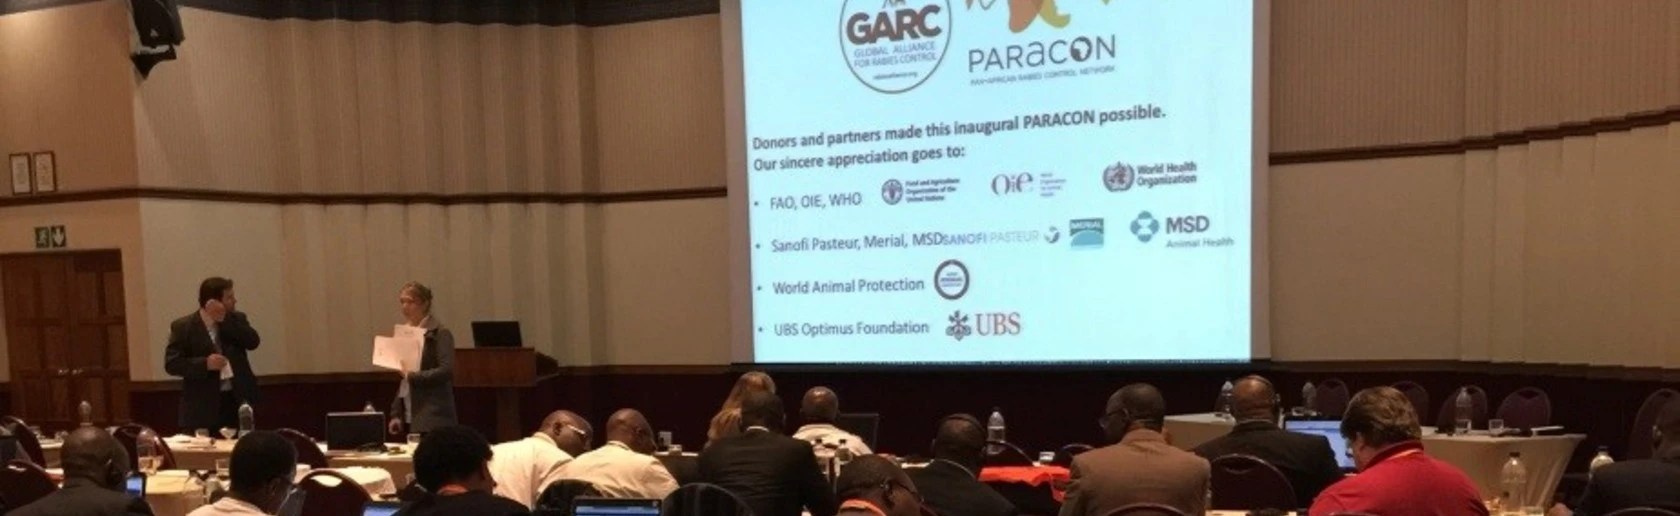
(64, 372)
(75, 372)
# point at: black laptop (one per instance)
(497, 334)
(352, 430)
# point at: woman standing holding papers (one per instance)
(426, 398)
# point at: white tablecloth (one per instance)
(1481, 457)
(399, 465)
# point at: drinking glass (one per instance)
(228, 433)
(1496, 427)
(413, 441)
(1046, 457)
(222, 469)
(676, 449)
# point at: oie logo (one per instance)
(893, 46)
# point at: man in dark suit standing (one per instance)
(1306, 460)
(1653, 482)
(951, 483)
(207, 349)
(95, 468)
(774, 474)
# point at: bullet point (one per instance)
(761, 329)
(758, 246)
(755, 203)
(761, 289)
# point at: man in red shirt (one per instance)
(1396, 478)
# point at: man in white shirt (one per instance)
(524, 468)
(261, 470)
(820, 408)
(625, 467)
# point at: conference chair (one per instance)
(31, 444)
(1146, 509)
(1478, 408)
(703, 500)
(1247, 483)
(1418, 395)
(1028, 498)
(1643, 511)
(556, 499)
(331, 493)
(1003, 453)
(1331, 400)
(1064, 456)
(128, 434)
(22, 483)
(863, 425)
(308, 451)
(1640, 441)
(1529, 407)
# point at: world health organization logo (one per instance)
(893, 46)
(892, 191)
(1145, 227)
(1119, 177)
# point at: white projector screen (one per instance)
(997, 181)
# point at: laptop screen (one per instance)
(614, 507)
(380, 508)
(1332, 431)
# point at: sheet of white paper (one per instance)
(406, 331)
(227, 372)
(396, 353)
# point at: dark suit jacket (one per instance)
(954, 491)
(1142, 468)
(1634, 483)
(189, 346)
(432, 388)
(82, 498)
(1306, 460)
(774, 474)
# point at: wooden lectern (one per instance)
(505, 369)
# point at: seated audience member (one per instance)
(453, 464)
(727, 422)
(95, 469)
(820, 409)
(625, 467)
(1306, 460)
(1653, 482)
(523, 468)
(774, 474)
(1396, 477)
(1140, 467)
(871, 485)
(951, 483)
(261, 470)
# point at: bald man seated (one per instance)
(1141, 467)
(625, 467)
(524, 468)
(951, 483)
(820, 409)
(95, 468)
(1306, 460)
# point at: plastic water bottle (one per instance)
(85, 411)
(1309, 397)
(825, 459)
(1599, 461)
(247, 419)
(368, 408)
(1225, 400)
(146, 452)
(995, 431)
(842, 455)
(1462, 407)
(1513, 479)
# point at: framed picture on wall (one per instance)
(21, 175)
(46, 172)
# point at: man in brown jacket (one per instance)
(1142, 467)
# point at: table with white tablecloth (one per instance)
(400, 464)
(1481, 457)
(174, 493)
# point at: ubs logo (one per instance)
(893, 46)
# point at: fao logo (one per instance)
(1145, 227)
(893, 46)
(1119, 177)
(892, 191)
(950, 279)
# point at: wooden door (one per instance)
(66, 336)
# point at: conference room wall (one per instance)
(64, 87)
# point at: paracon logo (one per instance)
(893, 46)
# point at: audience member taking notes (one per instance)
(624, 467)
(1396, 477)
(1141, 467)
(95, 466)
(1306, 460)
(820, 409)
(774, 474)
(523, 468)
(261, 470)
(951, 483)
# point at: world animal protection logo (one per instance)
(1022, 13)
(893, 46)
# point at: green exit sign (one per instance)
(51, 237)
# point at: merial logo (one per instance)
(893, 46)
(1022, 13)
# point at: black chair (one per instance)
(1640, 441)
(128, 435)
(1478, 408)
(1002, 453)
(1415, 393)
(1644, 511)
(1147, 509)
(27, 439)
(1029, 499)
(1064, 456)
(863, 425)
(340, 496)
(1331, 400)
(1529, 407)
(1247, 483)
(22, 483)
(556, 499)
(308, 452)
(703, 500)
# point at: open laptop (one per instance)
(352, 430)
(587, 506)
(1330, 430)
(497, 334)
(381, 508)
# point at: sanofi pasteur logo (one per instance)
(893, 46)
